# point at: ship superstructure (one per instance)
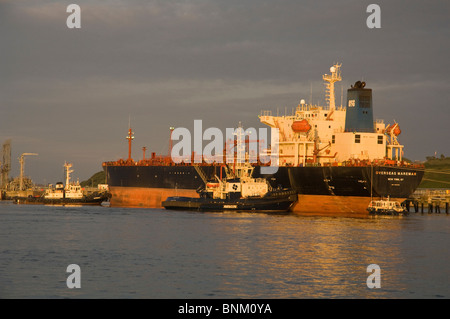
(332, 135)
(237, 191)
(239, 180)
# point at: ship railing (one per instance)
(360, 163)
(431, 192)
(187, 160)
(266, 113)
(384, 162)
(167, 161)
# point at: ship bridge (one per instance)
(329, 134)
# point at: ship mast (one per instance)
(170, 141)
(130, 138)
(335, 76)
(67, 167)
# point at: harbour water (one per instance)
(152, 253)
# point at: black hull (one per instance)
(355, 181)
(265, 204)
(97, 200)
(387, 212)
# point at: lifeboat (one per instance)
(212, 185)
(395, 129)
(301, 126)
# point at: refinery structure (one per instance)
(21, 189)
(19, 186)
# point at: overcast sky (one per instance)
(68, 94)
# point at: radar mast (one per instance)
(335, 76)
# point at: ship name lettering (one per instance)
(246, 308)
(407, 173)
(396, 173)
(395, 179)
(386, 173)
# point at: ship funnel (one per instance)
(359, 115)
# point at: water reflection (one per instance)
(295, 257)
(144, 253)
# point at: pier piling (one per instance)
(430, 200)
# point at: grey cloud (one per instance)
(169, 62)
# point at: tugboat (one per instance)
(72, 193)
(237, 192)
(386, 207)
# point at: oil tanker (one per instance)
(337, 158)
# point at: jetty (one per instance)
(431, 200)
